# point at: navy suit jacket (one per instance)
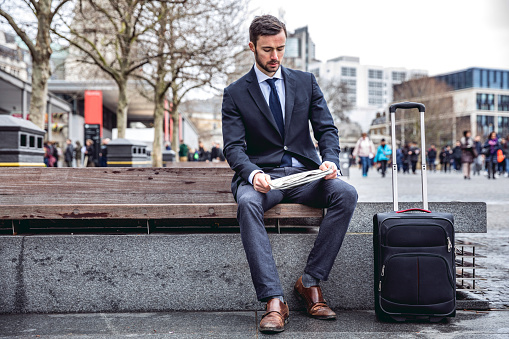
(252, 140)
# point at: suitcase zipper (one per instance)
(448, 239)
(380, 282)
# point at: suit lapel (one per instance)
(289, 97)
(256, 93)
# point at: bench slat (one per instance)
(147, 211)
(47, 186)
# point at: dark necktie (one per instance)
(277, 112)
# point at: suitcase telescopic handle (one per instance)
(424, 182)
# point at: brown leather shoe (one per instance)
(275, 317)
(315, 303)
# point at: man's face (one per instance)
(269, 52)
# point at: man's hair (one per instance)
(265, 25)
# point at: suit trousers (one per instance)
(340, 199)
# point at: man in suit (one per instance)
(266, 116)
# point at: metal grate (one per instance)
(468, 265)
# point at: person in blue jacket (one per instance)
(383, 154)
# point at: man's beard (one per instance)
(265, 67)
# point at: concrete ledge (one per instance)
(469, 217)
(142, 273)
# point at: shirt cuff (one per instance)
(251, 176)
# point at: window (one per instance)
(485, 102)
(375, 84)
(32, 141)
(503, 103)
(485, 125)
(375, 101)
(348, 71)
(39, 142)
(398, 76)
(375, 74)
(23, 140)
(503, 126)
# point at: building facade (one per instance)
(300, 50)
(481, 99)
(13, 59)
(370, 88)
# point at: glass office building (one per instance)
(486, 94)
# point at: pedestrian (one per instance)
(413, 155)
(266, 116)
(456, 155)
(445, 158)
(406, 158)
(69, 153)
(90, 155)
(55, 153)
(193, 155)
(468, 153)
(383, 154)
(78, 154)
(479, 159)
(167, 146)
(47, 154)
(365, 150)
(103, 154)
(502, 165)
(203, 154)
(432, 158)
(490, 149)
(399, 158)
(216, 153)
(183, 151)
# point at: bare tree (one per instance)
(107, 34)
(32, 20)
(439, 116)
(193, 46)
(336, 93)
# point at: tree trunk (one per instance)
(123, 105)
(38, 100)
(157, 156)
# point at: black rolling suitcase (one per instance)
(415, 273)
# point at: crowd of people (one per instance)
(470, 156)
(201, 154)
(76, 155)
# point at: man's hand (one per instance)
(327, 165)
(261, 182)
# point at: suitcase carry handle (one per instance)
(424, 182)
(414, 209)
(407, 105)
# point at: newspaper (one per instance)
(298, 179)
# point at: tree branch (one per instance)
(26, 39)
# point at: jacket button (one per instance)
(285, 148)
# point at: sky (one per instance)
(438, 36)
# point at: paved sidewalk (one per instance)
(350, 324)
(492, 324)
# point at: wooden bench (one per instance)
(125, 193)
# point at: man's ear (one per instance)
(252, 46)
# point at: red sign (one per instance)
(94, 108)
